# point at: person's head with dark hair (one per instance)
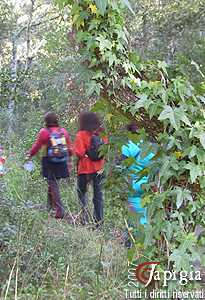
(51, 119)
(132, 127)
(89, 121)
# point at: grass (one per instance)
(42, 258)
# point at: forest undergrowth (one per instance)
(42, 258)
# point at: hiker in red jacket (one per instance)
(2, 161)
(57, 145)
(90, 164)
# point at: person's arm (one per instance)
(125, 152)
(79, 146)
(40, 141)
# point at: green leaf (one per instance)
(164, 167)
(93, 87)
(131, 254)
(101, 5)
(202, 139)
(100, 105)
(182, 195)
(114, 5)
(63, 3)
(163, 66)
(175, 116)
(185, 119)
(195, 171)
(181, 115)
(128, 66)
(202, 99)
(198, 68)
(111, 57)
(99, 75)
(180, 198)
(181, 259)
(168, 113)
(193, 151)
(82, 36)
(142, 102)
(134, 58)
(188, 242)
(202, 182)
(168, 230)
(104, 43)
(148, 236)
(153, 109)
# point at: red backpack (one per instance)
(57, 147)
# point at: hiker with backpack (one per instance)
(2, 161)
(57, 147)
(90, 164)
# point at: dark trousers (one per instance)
(96, 180)
(54, 200)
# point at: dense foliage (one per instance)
(154, 92)
(65, 58)
(42, 258)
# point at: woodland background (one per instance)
(42, 69)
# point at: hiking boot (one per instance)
(84, 217)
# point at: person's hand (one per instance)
(28, 156)
(100, 172)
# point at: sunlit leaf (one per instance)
(195, 171)
(202, 139)
(168, 113)
(101, 5)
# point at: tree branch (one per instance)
(36, 24)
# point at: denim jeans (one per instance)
(96, 180)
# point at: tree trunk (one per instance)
(28, 37)
(14, 67)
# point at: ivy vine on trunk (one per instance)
(169, 108)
